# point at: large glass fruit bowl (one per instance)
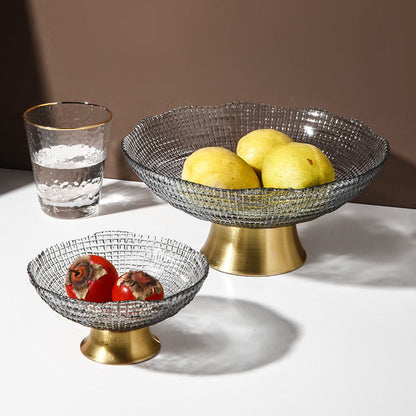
(157, 147)
(180, 269)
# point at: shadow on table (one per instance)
(214, 335)
(359, 250)
(11, 179)
(125, 196)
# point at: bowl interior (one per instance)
(158, 146)
(180, 269)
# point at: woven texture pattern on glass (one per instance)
(157, 148)
(180, 269)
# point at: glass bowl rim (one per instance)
(262, 190)
(137, 302)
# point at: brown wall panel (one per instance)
(141, 58)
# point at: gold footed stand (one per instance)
(254, 251)
(120, 347)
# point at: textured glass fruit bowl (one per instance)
(157, 147)
(180, 269)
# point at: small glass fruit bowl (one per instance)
(120, 330)
(158, 146)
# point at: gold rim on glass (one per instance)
(89, 126)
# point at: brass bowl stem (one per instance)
(254, 251)
(124, 347)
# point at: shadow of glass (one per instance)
(360, 250)
(11, 179)
(214, 335)
(125, 196)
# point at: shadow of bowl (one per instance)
(360, 250)
(214, 335)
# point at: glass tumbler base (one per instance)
(69, 212)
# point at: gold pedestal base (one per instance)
(113, 347)
(254, 251)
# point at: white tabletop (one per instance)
(335, 337)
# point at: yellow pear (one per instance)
(219, 168)
(296, 165)
(254, 146)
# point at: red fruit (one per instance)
(137, 285)
(91, 278)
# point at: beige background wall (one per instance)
(354, 58)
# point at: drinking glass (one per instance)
(68, 144)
